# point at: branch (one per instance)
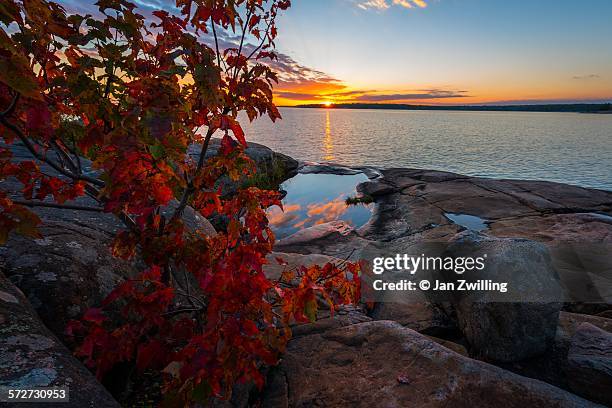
(212, 22)
(191, 297)
(76, 156)
(43, 158)
(11, 107)
(244, 28)
(29, 203)
(185, 310)
(189, 190)
(263, 39)
(66, 157)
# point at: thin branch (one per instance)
(66, 157)
(8, 111)
(29, 203)
(263, 39)
(191, 297)
(77, 157)
(184, 310)
(43, 158)
(190, 189)
(212, 22)
(244, 30)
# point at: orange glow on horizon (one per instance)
(483, 91)
(476, 97)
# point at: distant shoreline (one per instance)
(605, 108)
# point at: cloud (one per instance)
(374, 4)
(371, 95)
(319, 213)
(282, 218)
(385, 4)
(307, 96)
(587, 76)
(423, 94)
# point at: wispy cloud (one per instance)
(385, 4)
(421, 95)
(372, 95)
(373, 4)
(587, 76)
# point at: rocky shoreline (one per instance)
(391, 354)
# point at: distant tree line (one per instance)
(573, 107)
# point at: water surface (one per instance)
(571, 148)
(467, 221)
(317, 198)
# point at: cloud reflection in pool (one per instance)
(315, 199)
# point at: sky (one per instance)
(441, 51)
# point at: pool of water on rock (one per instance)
(315, 199)
(470, 222)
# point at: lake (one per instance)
(570, 148)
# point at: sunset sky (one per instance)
(441, 51)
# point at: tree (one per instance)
(132, 97)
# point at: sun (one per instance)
(327, 104)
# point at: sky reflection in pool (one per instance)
(315, 199)
(470, 222)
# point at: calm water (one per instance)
(317, 198)
(565, 147)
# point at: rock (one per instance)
(374, 189)
(264, 157)
(334, 238)
(382, 363)
(456, 347)
(551, 228)
(69, 269)
(517, 204)
(345, 316)
(328, 168)
(590, 363)
(552, 366)
(569, 323)
(606, 313)
(272, 167)
(397, 216)
(192, 219)
(422, 317)
(518, 326)
(31, 356)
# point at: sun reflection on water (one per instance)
(328, 141)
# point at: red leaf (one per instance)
(238, 132)
(254, 21)
(150, 355)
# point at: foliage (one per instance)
(133, 98)
(363, 199)
(273, 174)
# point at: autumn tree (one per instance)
(111, 106)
